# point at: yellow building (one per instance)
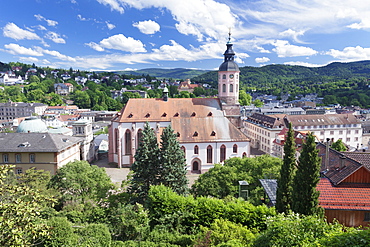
(40, 150)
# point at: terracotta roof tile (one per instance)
(347, 196)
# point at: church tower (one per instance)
(228, 78)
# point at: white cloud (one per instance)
(55, 37)
(262, 59)
(29, 59)
(292, 34)
(110, 25)
(41, 27)
(147, 27)
(113, 4)
(202, 18)
(95, 46)
(13, 31)
(16, 49)
(351, 53)
(49, 22)
(304, 64)
(55, 54)
(122, 43)
(81, 18)
(364, 24)
(284, 49)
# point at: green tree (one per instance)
(258, 103)
(82, 99)
(285, 181)
(53, 99)
(146, 166)
(79, 181)
(20, 206)
(244, 98)
(339, 146)
(172, 172)
(305, 196)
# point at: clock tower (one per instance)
(228, 78)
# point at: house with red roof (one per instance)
(187, 86)
(345, 186)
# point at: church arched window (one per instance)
(209, 154)
(222, 153)
(235, 148)
(196, 149)
(224, 76)
(128, 142)
(231, 88)
(223, 88)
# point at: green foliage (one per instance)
(96, 235)
(257, 103)
(351, 237)
(79, 181)
(244, 98)
(146, 166)
(296, 230)
(305, 196)
(61, 233)
(159, 235)
(339, 146)
(20, 207)
(222, 181)
(172, 172)
(285, 180)
(225, 233)
(129, 222)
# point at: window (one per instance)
(348, 139)
(5, 158)
(18, 170)
(196, 149)
(367, 216)
(222, 153)
(18, 158)
(356, 139)
(356, 131)
(349, 132)
(235, 148)
(223, 88)
(224, 76)
(231, 88)
(116, 139)
(340, 132)
(128, 142)
(209, 154)
(32, 158)
(139, 136)
(331, 132)
(195, 166)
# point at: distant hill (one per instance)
(276, 74)
(177, 73)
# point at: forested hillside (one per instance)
(344, 83)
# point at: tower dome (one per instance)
(229, 64)
(32, 125)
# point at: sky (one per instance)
(137, 34)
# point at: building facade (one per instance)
(12, 110)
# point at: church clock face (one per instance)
(231, 76)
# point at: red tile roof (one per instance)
(346, 196)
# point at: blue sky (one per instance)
(135, 34)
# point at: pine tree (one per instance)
(173, 166)
(305, 195)
(285, 181)
(146, 165)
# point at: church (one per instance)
(208, 129)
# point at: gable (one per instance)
(362, 175)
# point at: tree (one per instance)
(20, 206)
(258, 103)
(285, 181)
(172, 172)
(244, 98)
(82, 99)
(146, 166)
(339, 146)
(80, 181)
(305, 196)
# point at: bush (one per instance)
(164, 236)
(94, 235)
(61, 233)
(353, 237)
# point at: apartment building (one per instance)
(12, 110)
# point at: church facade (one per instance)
(208, 129)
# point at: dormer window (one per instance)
(213, 133)
(210, 114)
(178, 134)
(147, 115)
(195, 134)
(24, 144)
(164, 114)
(193, 114)
(130, 116)
(176, 114)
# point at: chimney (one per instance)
(165, 94)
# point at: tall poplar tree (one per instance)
(146, 166)
(172, 172)
(285, 181)
(305, 195)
